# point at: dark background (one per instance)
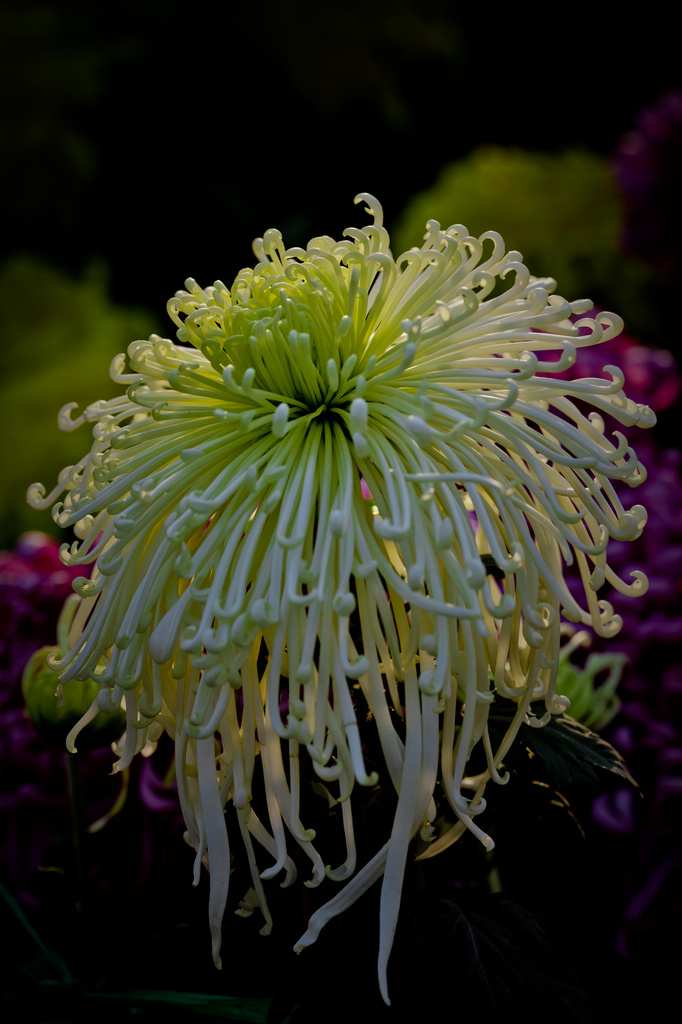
(143, 142)
(161, 137)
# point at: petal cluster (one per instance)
(342, 504)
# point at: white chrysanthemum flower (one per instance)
(348, 486)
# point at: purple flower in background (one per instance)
(648, 728)
(657, 620)
(34, 798)
(651, 375)
(34, 584)
(648, 166)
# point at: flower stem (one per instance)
(79, 839)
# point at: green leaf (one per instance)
(240, 1008)
(573, 756)
(47, 961)
(79, 999)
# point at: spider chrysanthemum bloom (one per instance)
(349, 485)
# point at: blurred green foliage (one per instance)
(58, 337)
(561, 211)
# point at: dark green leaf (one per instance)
(574, 757)
(46, 961)
(239, 1008)
(78, 1001)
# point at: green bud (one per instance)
(592, 703)
(55, 709)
